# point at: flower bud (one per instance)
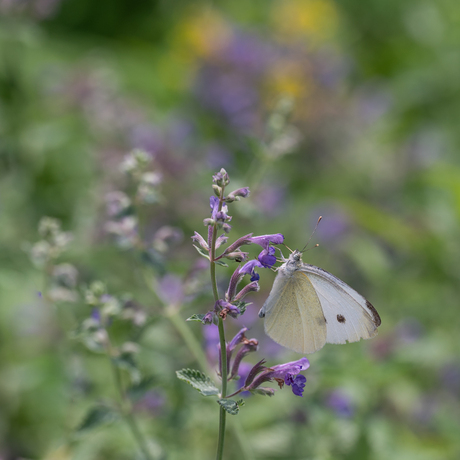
(226, 228)
(221, 178)
(237, 256)
(208, 222)
(236, 195)
(217, 190)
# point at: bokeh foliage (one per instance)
(372, 145)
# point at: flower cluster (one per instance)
(52, 244)
(282, 374)
(122, 207)
(233, 304)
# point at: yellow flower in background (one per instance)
(313, 19)
(289, 77)
(202, 34)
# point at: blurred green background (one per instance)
(371, 95)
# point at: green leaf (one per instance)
(126, 361)
(202, 252)
(263, 391)
(199, 381)
(138, 390)
(221, 262)
(97, 416)
(242, 305)
(197, 317)
(230, 405)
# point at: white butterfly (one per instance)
(308, 307)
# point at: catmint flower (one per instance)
(49, 227)
(147, 190)
(297, 383)
(117, 203)
(236, 195)
(237, 256)
(125, 231)
(249, 345)
(65, 275)
(208, 317)
(267, 257)
(246, 239)
(265, 240)
(224, 308)
(249, 269)
(221, 240)
(237, 276)
(251, 287)
(135, 162)
(214, 203)
(281, 373)
(221, 178)
(197, 238)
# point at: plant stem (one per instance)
(187, 335)
(223, 345)
(126, 408)
(190, 339)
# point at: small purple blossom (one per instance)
(224, 308)
(197, 238)
(214, 203)
(281, 373)
(249, 269)
(265, 240)
(236, 195)
(267, 257)
(297, 383)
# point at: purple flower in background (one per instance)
(334, 224)
(409, 330)
(170, 290)
(340, 403)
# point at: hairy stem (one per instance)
(223, 346)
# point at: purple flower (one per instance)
(170, 290)
(214, 203)
(224, 308)
(281, 373)
(197, 238)
(267, 257)
(237, 194)
(249, 269)
(265, 240)
(297, 383)
(340, 403)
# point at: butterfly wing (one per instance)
(350, 317)
(293, 314)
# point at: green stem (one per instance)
(223, 345)
(126, 408)
(187, 335)
(190, 340)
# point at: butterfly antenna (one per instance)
(311, 236)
